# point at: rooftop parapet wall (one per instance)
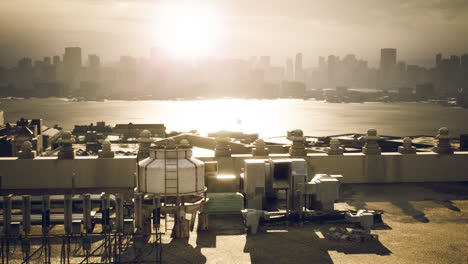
(361, 168)
(102, 174)
(393, 167)
(81, 173)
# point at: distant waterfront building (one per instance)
(264, 63)
(289, 69)
(462, 98)
(275, 75)
(50, 89)
(72, 63)
(47, 61)
(405, 93)
(24, 77)
(454, 62)
(100, 128)
(332, 67)
(401, 71)
(94, 61)
(94, 65)
(464, 61)
(388, 58)
(298, 69)
(38, 70)
(438, 58)
(56, 60)
(127, 76)
(292, 90)
(257, 80)
(133, 130)
(425, 91)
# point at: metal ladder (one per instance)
(171, 174)
(171, 181)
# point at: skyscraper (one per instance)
(388, 72)
(438, 59)
(264, 63)
(289, 69)
(94, 67)
(454, 62)
(464, 61)
(56, 60)
(332, 67)
(72, 66)
(47, 61)
(298, 70)
(387, 59)
(94, 61)
(24, 76)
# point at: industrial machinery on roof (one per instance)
(178, 180)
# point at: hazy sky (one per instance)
(280, 28)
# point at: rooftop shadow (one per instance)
(409, 210)
(302, 245)
(448, 204)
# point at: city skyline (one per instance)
(160, 76)
(418, 29)
(276, 61)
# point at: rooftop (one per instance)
(424, 223)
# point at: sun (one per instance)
(184, 31)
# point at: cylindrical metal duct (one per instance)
(45, 213)
(119, 213)
(105, 210)
(68, 213)
(7, 203)
(26, 212)
(138, 202)
(87, 212)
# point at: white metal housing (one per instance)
(171, 172)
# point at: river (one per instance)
(266, 117)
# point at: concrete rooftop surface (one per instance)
(424, 223)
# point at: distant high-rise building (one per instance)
(56, 60)
(94, 67)
(454, 62)
(298, 70)
(94, 61)
(332, 66)
(38, 70)
(388, 72)
(252, 62)
(264, 63)
(321, 62)
(48, 71)
(464, 61)
(25, 64)
(72, 67)
(388, 59)
(47, 61)
(438, 58)
(289, 69)
(401, 70)
(24, 76)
